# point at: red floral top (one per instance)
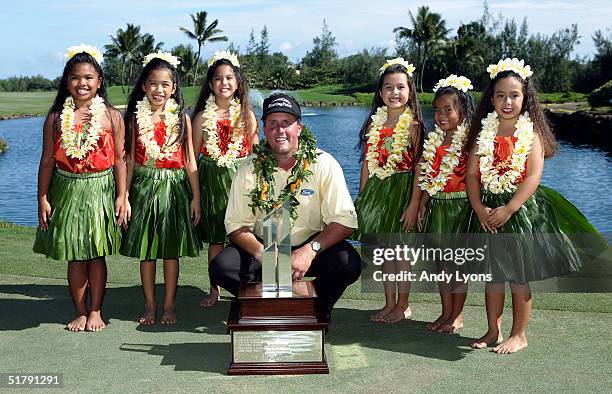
(502, 156)
(100, 159)
(456, 180)
(224, 130)
(384, 146)
(174, 161)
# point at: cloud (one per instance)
(286, 46)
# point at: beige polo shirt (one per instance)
(324, 198)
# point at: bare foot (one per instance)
(148, 317)
(168, 317)
(212, 297)
(379, 316)
(434, 325)
(490, 338)
(78, 324)
(398, 314)
(94, 322)
(451, 325)
(512, 345)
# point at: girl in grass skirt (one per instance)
(224, 131)
(163, 182)
(508, 141)
(387, 202)
(442, 175)
(81, 183)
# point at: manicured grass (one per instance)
(25, 103)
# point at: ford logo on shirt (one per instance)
(307, 192)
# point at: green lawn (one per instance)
(569, 338)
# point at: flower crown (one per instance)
(518, 66)
(76, 49)
(224, 55)
(167, 56)
(398, 60)
(459, 83)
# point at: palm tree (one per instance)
(188, 59)
(147, 45)
(428, 32)
(202, 32)
(125, 45)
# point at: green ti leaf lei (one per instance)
(265, 165)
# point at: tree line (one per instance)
(425, 40)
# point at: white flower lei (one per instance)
(489, 175)
(401, 142)
(209, 130)
(146, 129)
(432, 184)
(70, 138)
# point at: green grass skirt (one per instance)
(550, 237)
(161, 225)
(215, 184)
(82, 225)
(443, 212)
(381, 203)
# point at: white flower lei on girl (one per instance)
(209, 130)
(73, 142)
(401, 142)
(146, 129)
(432, 184)
(490, 178)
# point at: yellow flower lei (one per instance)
(209, 131)
(401, 142)
(146, 129)
(72, 141)
(490, 178)
(431, 184)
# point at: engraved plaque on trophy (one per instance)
(274, 324)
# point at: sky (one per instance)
(36, 33)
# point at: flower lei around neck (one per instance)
(432, 184)
(146, 129)
(401, 142)
(265, 166)
(490, 177)
(78, 144)
(211, 136)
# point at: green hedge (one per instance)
(602, 96)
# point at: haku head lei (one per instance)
(398, 60)
(224, 55)
(76, 49)
(167, 56)
(518, 66)
(459, 83)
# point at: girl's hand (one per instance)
(44, 213)
(409, 217)
(421, 215)
(483, 213)
(128, 213)
(195, 211)
(120, 210)
(499, 216)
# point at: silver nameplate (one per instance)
(277, 346)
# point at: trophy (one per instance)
(274, 326)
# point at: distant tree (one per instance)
(188, 58)
(319, 63)
(202, 32)
(363, 67)
(125, 46)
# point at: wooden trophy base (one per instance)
(277, 336)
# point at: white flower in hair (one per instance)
(76, 49)
(507, 64)
(224, 55)
(167, 56)
(398, 60)
(459, 83)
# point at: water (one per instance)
(581, 173)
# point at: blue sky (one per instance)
(36, 33)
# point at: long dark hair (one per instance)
(463, 102)
(138, 94)
(63, 93)
(531, 104)
(413, 103)
(241, 93)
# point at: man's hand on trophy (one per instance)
(301, 259)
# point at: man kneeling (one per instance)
(288, 166)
